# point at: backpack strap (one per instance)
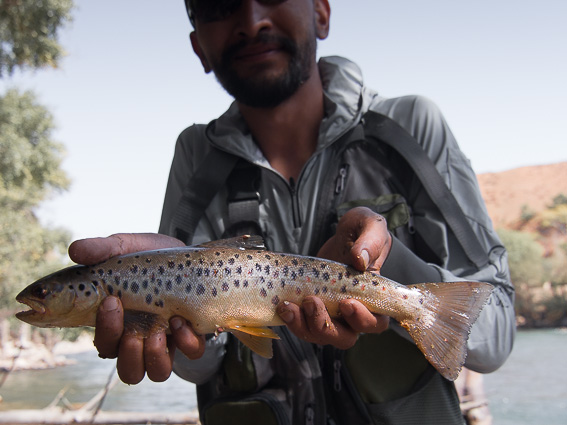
(391, 133)
(205, 183)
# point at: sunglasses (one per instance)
(217, 10)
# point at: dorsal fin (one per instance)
(241, 242)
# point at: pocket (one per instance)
(434, 402)
(267, 407)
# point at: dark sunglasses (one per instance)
(217, 10)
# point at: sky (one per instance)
(130, 83)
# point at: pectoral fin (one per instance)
(258, 339)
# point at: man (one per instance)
(289, 119)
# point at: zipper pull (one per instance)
(337, 375)
(309, 415)
(340, 182)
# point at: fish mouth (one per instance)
(37, 309)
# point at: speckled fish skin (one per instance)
(235, 286)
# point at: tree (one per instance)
(30, 172)
(524, 257)
(29, 33)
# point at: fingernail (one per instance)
(176, 323)
(110, 304)
(309, 307)
(365, 258)
(286, 314)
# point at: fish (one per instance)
(234, 285)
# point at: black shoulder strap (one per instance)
(205, 183)
(388, 131)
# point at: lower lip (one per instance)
(257, 57)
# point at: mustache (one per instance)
(284, 43)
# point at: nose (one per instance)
(252, 18)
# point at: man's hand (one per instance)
(362, 241)
(135, 355)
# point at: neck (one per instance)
(288, 133)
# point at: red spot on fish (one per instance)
(363, 287)
(405, 297)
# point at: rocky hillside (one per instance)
(534, 187)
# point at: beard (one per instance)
(262, 91)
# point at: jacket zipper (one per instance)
(296, 213)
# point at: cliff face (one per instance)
(534, 187)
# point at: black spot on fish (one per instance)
(316, 291)
(159, 303)
(145, 284)
(245, 284)
(227, 271)
(119, 262)
(125, 285)
(277, 262)
(326, 276)
(347, 274)
(119, 294)
(315, 272)
(159, 283)
(95, 283)
(236, 283)
(324, 290)
(78, 273)
(267, 269)
(161, 269)
(207, 271)
(220, 263)
(282, 283)
(300, 272)
(268, 257)
(100, 272)
(263, 292)
(88, 294)
(355, 282)
(187, 255)
(199, 272)
(421, 300)
(134, 269)
(201, 261)
(293, 275)
(217, 253)
(214, 292)
(81, 287)
(249, 257)
(137, 256)
(117, 280)
(188, 288)
(225, 287)
(178, 279)
(148, 260)
(171, 264)
(156, 291)
(239, 270)
(180, 266)
(375, 282)
(168, 285)
(275, 300)
(110, 289)
(188, 263)
(270, 285)
(231, 261)
(323, 266)
(258, 267)
(285, 270)
(144, 271)
(135, 287)
(340, 276)
(109, 272)
(149, 299)
(343, 289)
(71, 287)
(200, 289)
(294, 262)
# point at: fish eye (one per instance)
(39, 292)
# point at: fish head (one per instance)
(62, 299)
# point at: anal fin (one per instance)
(258, 339)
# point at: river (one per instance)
(531, 388)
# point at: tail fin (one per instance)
(441, 333)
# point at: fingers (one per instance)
(360, 319)
(362, 240)
(185, 338)
(94, 250)
(312, 323)
(109, 327)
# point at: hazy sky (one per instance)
(130, 84)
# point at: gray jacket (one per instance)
(287, 213)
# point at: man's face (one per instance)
(261, 53)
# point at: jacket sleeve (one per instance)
(492, 336)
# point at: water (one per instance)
(531, 388)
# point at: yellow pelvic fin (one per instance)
(258, 339)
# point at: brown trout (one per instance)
(235, 285)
